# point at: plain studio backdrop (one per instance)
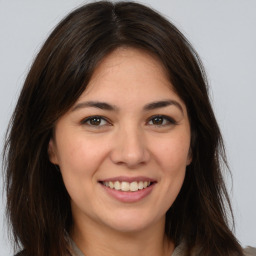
(224, 34)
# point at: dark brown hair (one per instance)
(38, 205)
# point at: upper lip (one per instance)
(129, 179)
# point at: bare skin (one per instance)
(108, 242)
(122, 150)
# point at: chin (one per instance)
(130, 223)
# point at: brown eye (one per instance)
(95, 121)
(157, 120)
(161, 120)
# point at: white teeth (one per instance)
(134, 186)
(126, 186)
(117, 185)
(111, 185)
(141, 185)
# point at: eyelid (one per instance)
(171, 120)
(85, 120)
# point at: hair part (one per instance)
(38, 205)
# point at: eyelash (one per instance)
(90, 118)
(166, 119)
(169, 120)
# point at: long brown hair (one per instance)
(38, 205)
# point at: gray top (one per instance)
(250, 251)
(75, 251)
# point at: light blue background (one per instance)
(224, 34)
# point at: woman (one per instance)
(113, 148)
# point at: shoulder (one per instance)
(250, 251)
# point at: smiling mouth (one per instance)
(127, 186)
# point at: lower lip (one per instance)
(129, 197)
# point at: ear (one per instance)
(189, 158)
(52, 152)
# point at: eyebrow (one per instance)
(162, 104)
(95, 104)
(106, 106)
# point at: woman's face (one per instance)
(124, 146)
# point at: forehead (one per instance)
(132, 57)
(129, 72)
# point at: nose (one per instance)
(130, 148)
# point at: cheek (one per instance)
(79, 160)
(172, 153)
(77, 152)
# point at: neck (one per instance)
(94, 240)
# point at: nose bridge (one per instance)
(130, 146)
